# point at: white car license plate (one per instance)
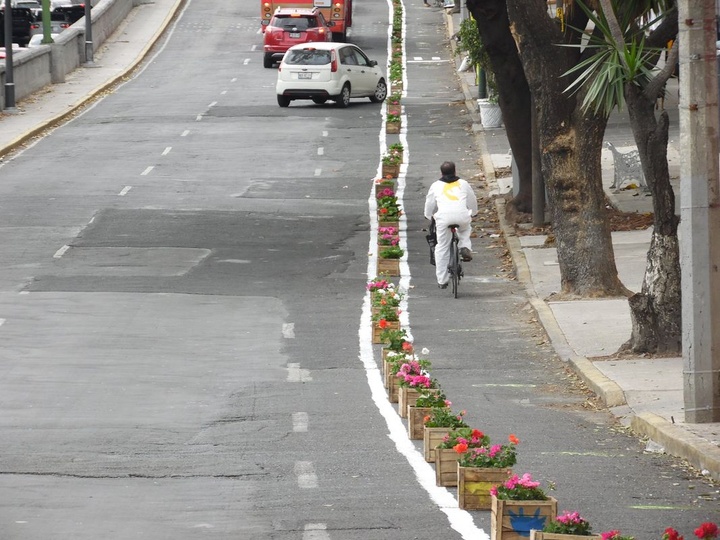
(302, 75)
(295, 35)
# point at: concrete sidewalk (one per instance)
(645, 394)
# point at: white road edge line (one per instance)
(60, 252)
(2, 321)
(316, 531)
(459, 520)
(246, 61)
(288, 330)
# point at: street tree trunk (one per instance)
(514, 92)
(656, 310)
(571, 145)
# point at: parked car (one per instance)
(329, 71)
(290, 27)
(22, 19)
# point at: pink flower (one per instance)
(609, 535)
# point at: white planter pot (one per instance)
(490, 115)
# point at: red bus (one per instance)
(338, 13)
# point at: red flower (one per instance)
(383, 210)
(382, 323)
(513, 439)
(671, 534)
(407, 346)
(477, 434)
(460, 448)
(707, 530)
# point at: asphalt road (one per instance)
(181, 298)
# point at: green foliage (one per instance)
(392, 252)
(445, 418)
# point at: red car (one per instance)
(290, 27)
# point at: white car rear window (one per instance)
(307, 57)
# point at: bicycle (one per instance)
(454, 264)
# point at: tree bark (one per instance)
(571, 144)
(514, 92)
(656, 310)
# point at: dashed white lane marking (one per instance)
(246, 62)
(433, 60)
(300, 422)
(315, 531)
(306, 477)
(185, 133)
(212, 104)
(125, 191)
(147, 170)
(167, 150)
(234, 79)
(318, 172)
(288, 330)
(321, 151)
(296, 374)
(198, 117)
(24, 292)
(2, 321)
(324, 133)
(253, 48)
(60, 252)
(223, 92)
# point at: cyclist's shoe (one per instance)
(443, 285)
(465, 254)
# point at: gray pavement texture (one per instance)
(646, 394)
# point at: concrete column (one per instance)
(700, 211)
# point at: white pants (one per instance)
(444, 235)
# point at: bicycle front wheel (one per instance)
(454, 266)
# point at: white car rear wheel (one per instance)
(380, 92)
(343, 100)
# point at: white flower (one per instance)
(425, 350)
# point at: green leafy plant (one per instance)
(392, 252)
(487, 456)
(432, 398)
(470, 44)
(443, 417)
(396, 71)
(392, 158)
(396, 148)
(464, 438)
(387, 313)
(569, 523)
(519, 488)
(615, 535)
(396, 341)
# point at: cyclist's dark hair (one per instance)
(447, 168)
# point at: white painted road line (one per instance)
(185, 133)
(295, 374)
(223, 92)
(167, 150)
(324, 133)
(306, 477)
(198, 118)
(125, 191)
(246, 62)
(318, 172)
(2, 321)
(316, 531)
(234, 79)
(212, 104)
(147, 170)
(288, 330)
(60, 252)
(300, 422)
(321, 151)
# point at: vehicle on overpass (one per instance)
(337, 13)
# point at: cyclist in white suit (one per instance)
(451, 201)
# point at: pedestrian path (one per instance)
(644, 393)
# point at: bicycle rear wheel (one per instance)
(454, 265)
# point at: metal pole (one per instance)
(700, 211)
(9, 78)
(88, 34)
(47, 27)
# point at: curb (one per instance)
(72, 109)
(679, 442)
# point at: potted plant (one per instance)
(391, 160)
(481, 468)
(517, 506)
(426, 401)
(412, 377)
(388, 236)
(387, 317)
(384, 182)
(437, 425)
(389, 259)
(567, 526)
(393, 123)
(394, 104)
(446, 454)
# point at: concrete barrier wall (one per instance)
(36, 68)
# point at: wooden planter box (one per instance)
(393, 389)
(387, 223)
(406, 397)
(391, 170)
(432, 436)
(392, 127)
(389, 267)
(376, 330)
(474, 486)
(384, 185)
(513, 520)
(446, 467)
(415, 421)
(539, 535)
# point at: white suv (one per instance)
(329, 71)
